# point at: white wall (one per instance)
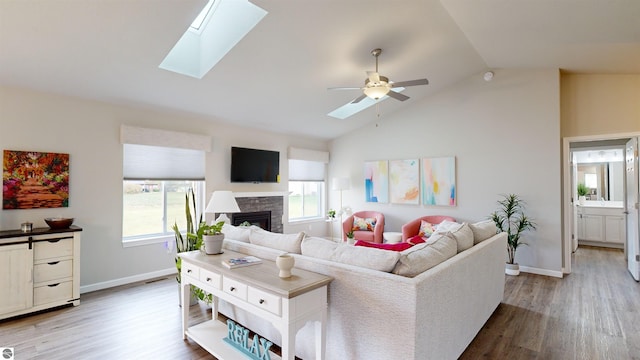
(505, 135)
(89, 132)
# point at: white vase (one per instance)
(213, 244)
(512, 269)
(581, 200)
(285, 263)
(351, 241)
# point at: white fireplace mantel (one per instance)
(260, 194)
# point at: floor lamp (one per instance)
(340, 184)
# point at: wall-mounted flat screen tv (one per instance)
(255, 166)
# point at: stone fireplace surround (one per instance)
(250, 202)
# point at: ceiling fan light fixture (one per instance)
(377, 89)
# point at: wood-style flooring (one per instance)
(593, 313)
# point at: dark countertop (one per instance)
(4, 234)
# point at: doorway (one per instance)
(602, 190)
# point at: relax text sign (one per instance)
(238, 337)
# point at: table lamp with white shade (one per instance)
(222, 202)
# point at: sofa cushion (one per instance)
(483, 230)
(290, 243)
(461, 232)
(422, 257)
(426, 228)
(370, 258)
(393, 247)
(240, 233)
(363, 224)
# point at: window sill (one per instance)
(306, 220)
(147, 241)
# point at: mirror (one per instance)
(605, 180)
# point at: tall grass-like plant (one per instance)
(192, 240)
(510, 218)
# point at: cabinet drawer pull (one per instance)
(53, 285)
(232, 289)
(54, 240)
(188, 271)
(208, 279)
(261, 301)
(53, 262)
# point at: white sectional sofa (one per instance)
(374, 314)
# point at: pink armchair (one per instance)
(412, 228)
(374, 236)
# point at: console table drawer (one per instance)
(210, 278)
(264, 300)
(53, 249)
(53, 292)
(52, 270)
(190, 270)
(234, 288)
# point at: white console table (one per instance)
(287, 303)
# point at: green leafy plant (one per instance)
(331, 214)
(350, 234)
(215, 229)
(510, 218)
(192, 240)
(583, 190)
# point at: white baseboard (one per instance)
(538, 271)
(127, 280)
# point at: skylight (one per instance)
(214, 32)
(350, 109)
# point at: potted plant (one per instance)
(510, 218)
(583, 190)
(192, 240)
(212, 237)
(331, 214)
(350, 237)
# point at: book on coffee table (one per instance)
(240, 262)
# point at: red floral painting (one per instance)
(33, 180)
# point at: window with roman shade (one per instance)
(307, 179)
(159, 168)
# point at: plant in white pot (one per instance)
(583, 190)
(350, 238)
(212, 237)
(510, 218)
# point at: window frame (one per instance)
(321, 197)
(169, 235)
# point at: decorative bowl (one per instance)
(59, 223)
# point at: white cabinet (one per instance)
(16, 263)
(615, 229)
(601, 226)
(39, 270)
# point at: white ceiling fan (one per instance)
(376, 86)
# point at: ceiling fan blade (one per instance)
(373, 76)
(397, 96)
(344, 88)
(410, 83)
(358, 99)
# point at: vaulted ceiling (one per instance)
(277, 77)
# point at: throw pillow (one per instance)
(426, 228)
(423, 257)
(239, 233)
(363, 224)
(393, 247)
(318, 247)
(447, 226)
(290, 243)
(416, 240)
(463, 236)
(483, 230)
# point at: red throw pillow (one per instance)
(393, 247)
(416, 240)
